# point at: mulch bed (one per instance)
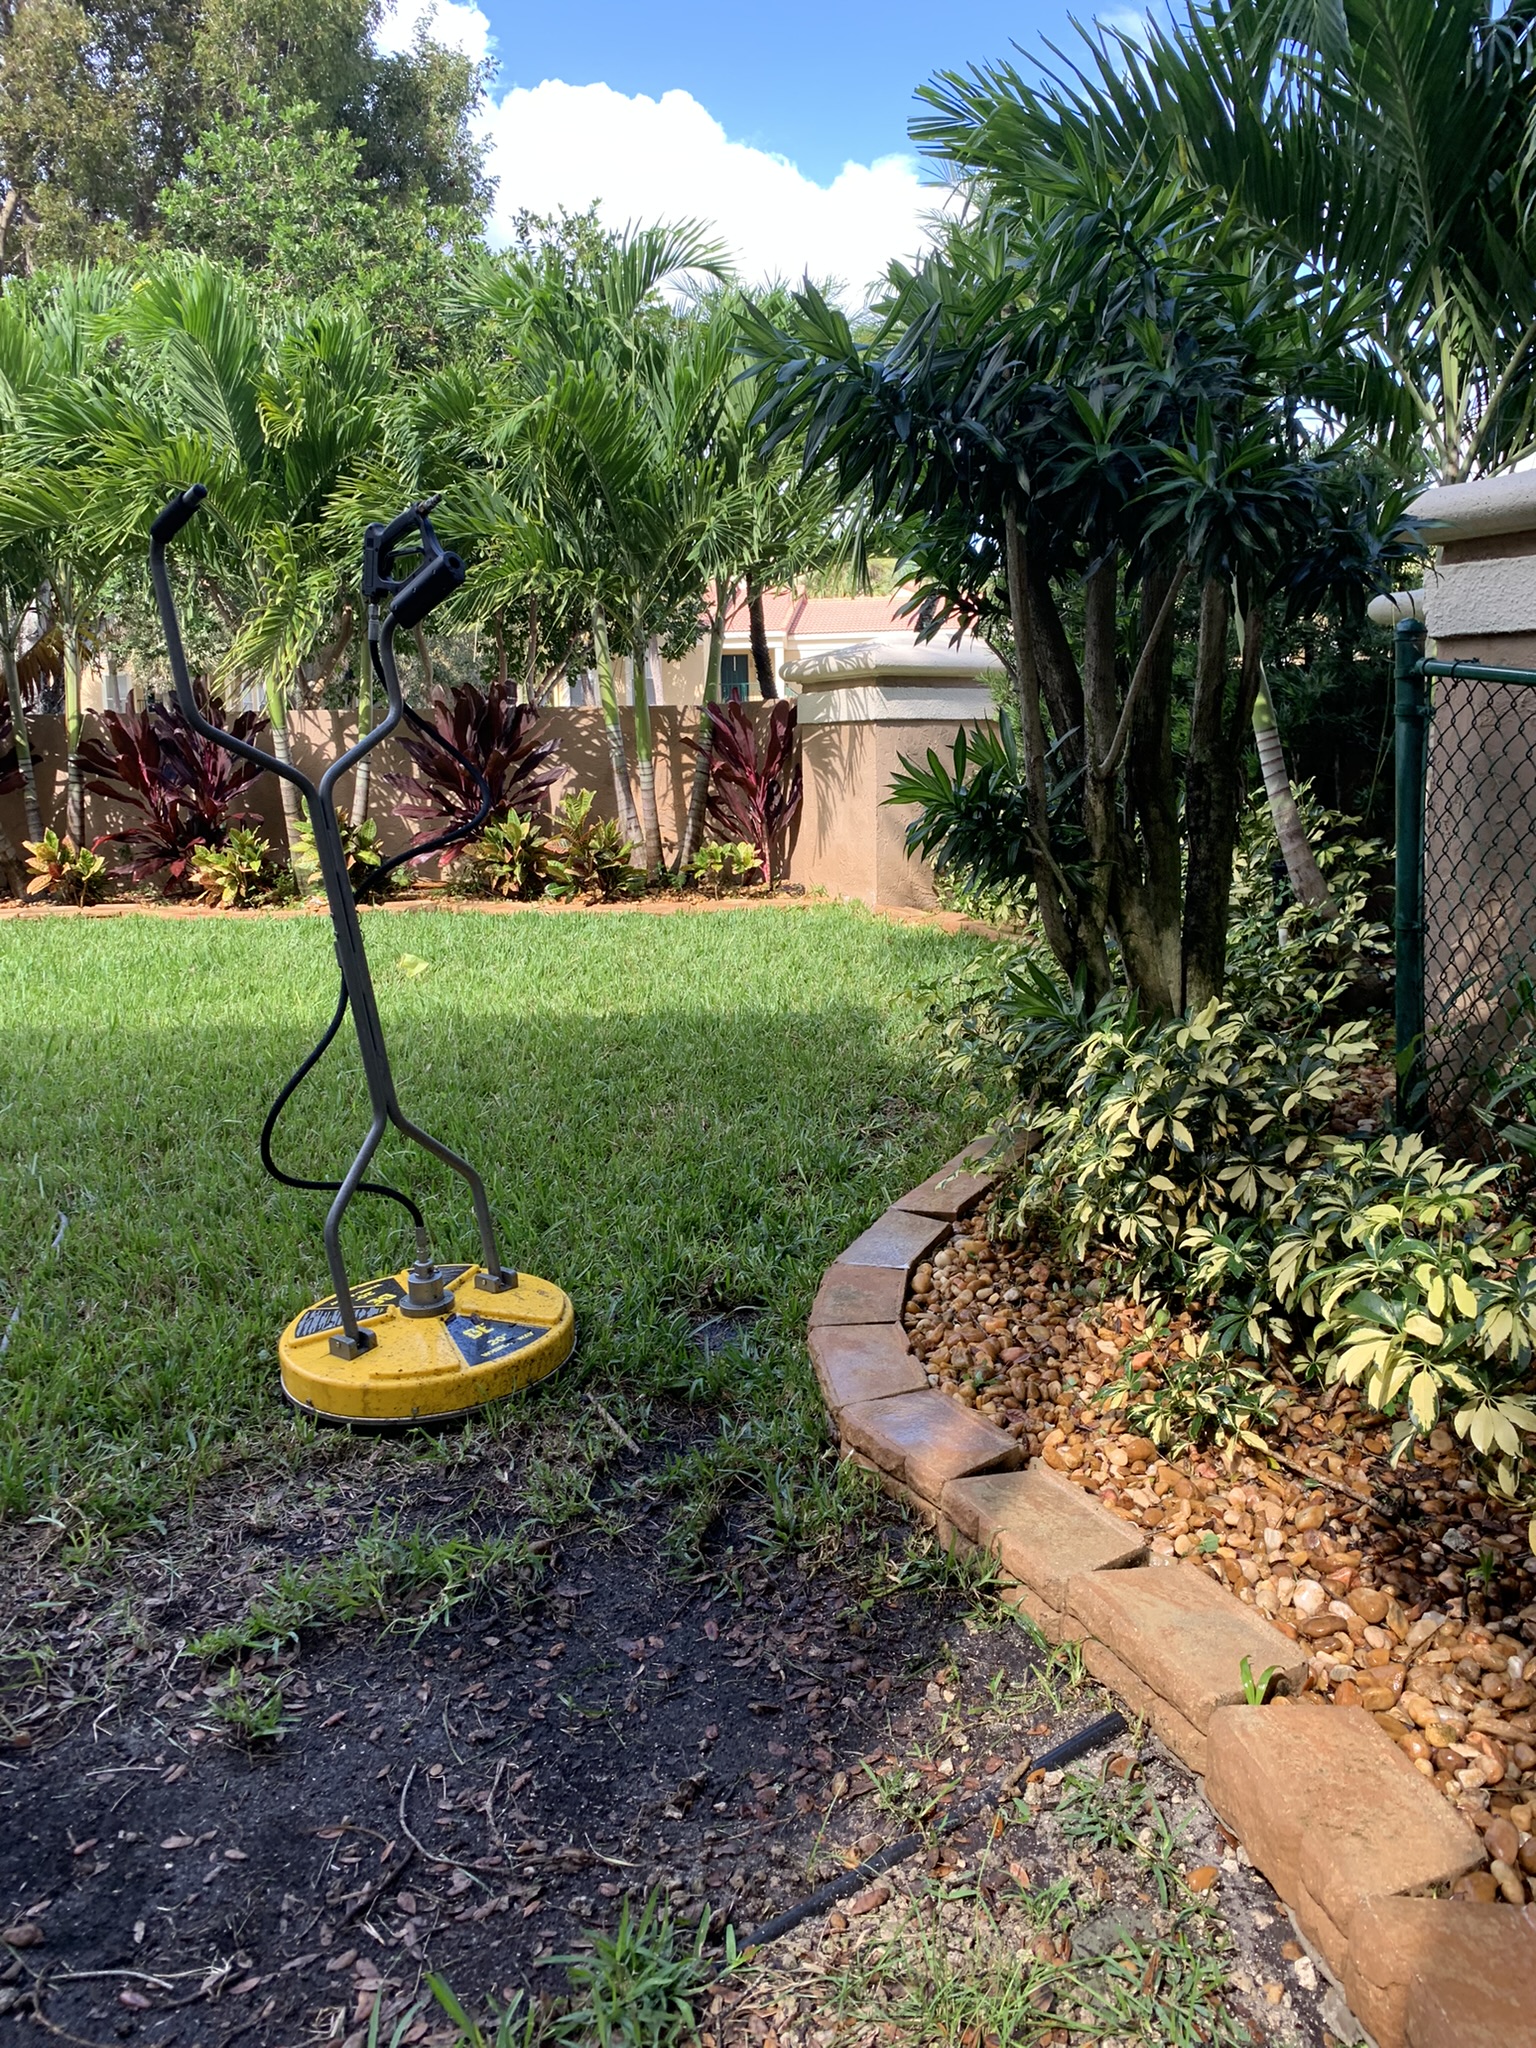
(1411, 1587)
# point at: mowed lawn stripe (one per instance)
(673, 1115)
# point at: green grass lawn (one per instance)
(674, 1116)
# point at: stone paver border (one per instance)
(1353, 1839)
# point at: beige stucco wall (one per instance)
(846, 842)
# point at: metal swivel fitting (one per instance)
(425, 1292)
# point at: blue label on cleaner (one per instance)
(481, 1340)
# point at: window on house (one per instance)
(733, 678)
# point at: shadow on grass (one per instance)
(671, 1128)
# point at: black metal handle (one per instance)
(167, 525)
(177, 513)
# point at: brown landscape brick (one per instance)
(954, 1188)
(1042, 1528)
(1393, 1943)
(859, 1294)
(1475, 1985)
(864, 1362)
(1331, 1811)
(1182, 1634)
(1165, 1721)
(898, 1238)
(925, 1440)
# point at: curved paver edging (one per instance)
(1351, 1837)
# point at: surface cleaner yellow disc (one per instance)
(427, 1368)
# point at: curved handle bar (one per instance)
(167, 525)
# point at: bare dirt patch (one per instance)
(592, 1722)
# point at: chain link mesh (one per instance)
(1479, 893)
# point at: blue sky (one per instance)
(784, 129)
(817, 83)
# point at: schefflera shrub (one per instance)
(1200, 1147)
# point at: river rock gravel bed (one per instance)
(1413, 1589)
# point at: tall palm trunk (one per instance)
(10, 626)
(362, 775)
(1307, 884)
(608, 697)
(698, 795)
(762, 658)
(645, 764)
(277, 712)
(74, 720)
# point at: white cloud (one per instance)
(644, 160)
(456, 24)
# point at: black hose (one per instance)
(453, 837)
(324, 1187)
(1102, 1730)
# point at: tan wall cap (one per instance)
(863, 661)
(1495, 504)
(1387, 609)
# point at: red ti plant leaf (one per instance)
(488, 728)
(181, 786)
(755, 781)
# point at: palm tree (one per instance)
(1381, 148)
(1378, 148)
(58, 378)
(276, 421)
(591, 381)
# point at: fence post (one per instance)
(1408, 914)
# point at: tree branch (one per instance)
(1117, 746)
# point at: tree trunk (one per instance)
(698, 795)
(499, 635)
(532, 672)
(1307, 883)
(1060, 913)
(1152, 793)
(1101, 717)
(74, 719)
(362, 777)
(277, 713)
(645, 765)
(762, 657)
(608, 697)
(1213, 789)
(423, 655)
(24, 761)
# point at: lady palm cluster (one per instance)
(599, 464)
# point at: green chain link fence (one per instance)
(1466, 881)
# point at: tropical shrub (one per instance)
(493, 732)
(972, 824)
(1287, 960)
(241, 873)
(1179, 1124)
(755, 789)
(1200, 1148)
(365, 860)
(590, 856)
(511, 858)
(75, 874)
(719, 865)
(182, 787)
